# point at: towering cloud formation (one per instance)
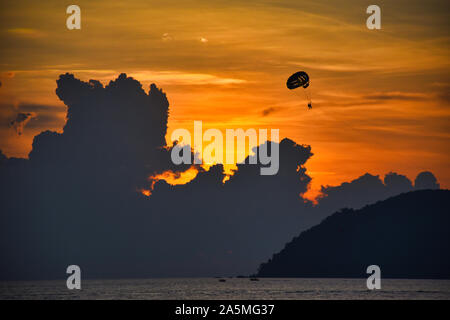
(76, 200)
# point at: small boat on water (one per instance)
(222, 280)
(254, 279)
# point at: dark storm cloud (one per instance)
(76, 200)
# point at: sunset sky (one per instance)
(381, 98)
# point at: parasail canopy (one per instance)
(298, 79)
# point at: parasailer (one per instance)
(300, 80)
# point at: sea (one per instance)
(227, 288)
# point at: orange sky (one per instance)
(380, 97)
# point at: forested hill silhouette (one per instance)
(407, 236)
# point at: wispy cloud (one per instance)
(269, 110)
(183, 78)
(26, 32)
(21, 121)
(167, 37)
(396, 96)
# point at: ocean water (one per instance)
(212, 288)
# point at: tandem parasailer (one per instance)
(300, 79)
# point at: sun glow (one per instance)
(172, 178)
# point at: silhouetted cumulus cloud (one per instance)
(368, 189)
(426, 180)
(76, 200)
(397, 183)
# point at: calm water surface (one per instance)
(211, 288)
